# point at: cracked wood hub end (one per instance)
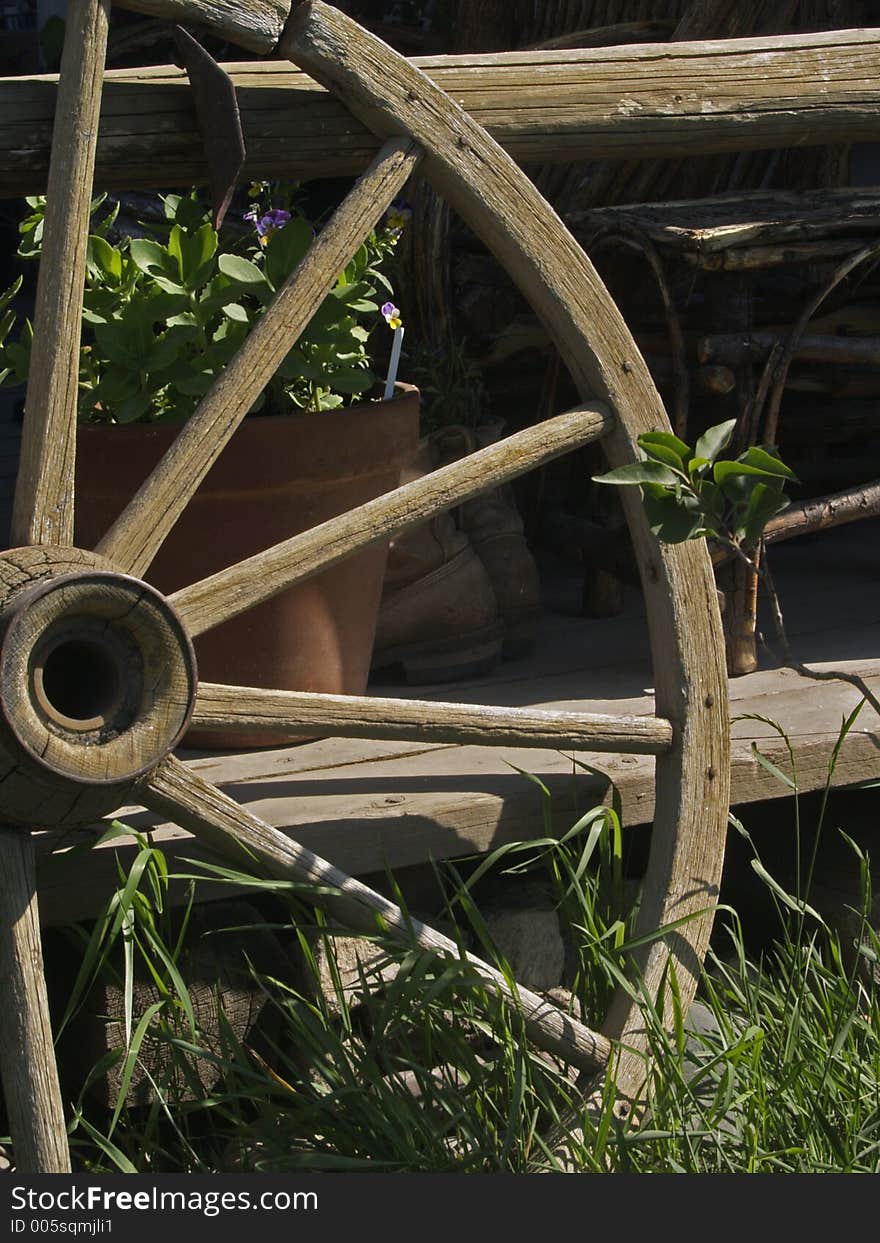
(97, 685)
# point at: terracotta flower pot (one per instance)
(278, 475)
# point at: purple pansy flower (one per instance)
(269, 222)
(399, 215)
(392, 315)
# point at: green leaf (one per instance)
(714, 440)
(723, 471)
(168, 347)
(194, 252)
(639, 472)
(234, 310)
(797, 905)
(349, 291)
(103, 227)
(156, 262)
(102, 259)
(672, 518)
(772, 768)
(131, 1059)
(241, 270)
(6, 322)
(666, 447)
(764, 503)
(353, 380)
(195, 385)
(149, 256)
(286, 247)
(115, 343)
(768, 462)
(134, 408)
(7, 296)
(116, 386)
(230, 328)
(186, 319)
(329, 401)
(161, 307)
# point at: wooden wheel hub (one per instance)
(97, 679)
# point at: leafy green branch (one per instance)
(692, 493)
(689, 493)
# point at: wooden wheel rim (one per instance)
(501, 206)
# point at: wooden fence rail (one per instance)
(634, 102)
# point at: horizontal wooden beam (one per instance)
(635, 102)
(252, 24)
(371, 716)
(734, 348)
(825, 511)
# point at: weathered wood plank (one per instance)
(734, 348)
(27, 1055)
(821, 512)
(634, 102)
(362, 716)
(252, 24)
(710, 227)
(43, 508)
(752, 258)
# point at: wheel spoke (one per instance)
(232, 591)
(27, 1055)
(136, 536)
(194, 804)
(353, 716)
(43, 511)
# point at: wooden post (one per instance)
(27, 1056)
(43, 512)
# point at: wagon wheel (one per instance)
(97, 672)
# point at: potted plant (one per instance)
(162, 316)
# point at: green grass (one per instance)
(431, 1073)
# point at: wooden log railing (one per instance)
(633, 102)
(253, 24)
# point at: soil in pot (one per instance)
(278, 476)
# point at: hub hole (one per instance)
(81, 683)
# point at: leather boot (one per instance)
(494, 527)
(439, 618)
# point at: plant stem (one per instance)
(827, 675)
